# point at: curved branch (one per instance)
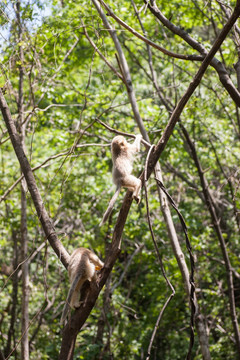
(194, 84)
(218, 66)
(147, 41)
(146, 143)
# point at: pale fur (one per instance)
(82, 266)
(122, 158)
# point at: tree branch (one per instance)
(218, 66)
(147, 41)
(101, 55)
(32, 186)
(193, 85)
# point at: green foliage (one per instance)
(67, 86)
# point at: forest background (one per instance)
(73, 75)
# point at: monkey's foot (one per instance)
(137, 199)
(77, 304)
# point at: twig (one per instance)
(136, 251)
(19, 340)
(101, 54)
(7, 192)
(43, 216)
(218, 66)
(122, 133)
(29, 258)
(194, 83)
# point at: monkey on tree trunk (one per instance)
(122, 158)
(82, 266)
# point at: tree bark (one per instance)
(44, 218)
(15, 280)
(199, 319)
(216, 224)
(24, 232)
(193, 85)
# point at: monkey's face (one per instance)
(119, 142)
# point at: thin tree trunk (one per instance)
(124, 69)
(24, 234)
(199, 319)
(79, 317)
(216, 224)
(25, 275)
(11, 331)
(203, 338)
(43, 216)
(25, 278)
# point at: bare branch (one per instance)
(194, 84)
(65, 153)
(218, 66)
(136, 251)
(146, 143)
(210, 202)
(149, 42)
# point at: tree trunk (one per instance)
(11, 331)
(43, 216)
(216, 224)
(203, 338)
(79, 317)
(25, 278)
(24, 235)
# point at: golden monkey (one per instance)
(82, 266)
(122, 158)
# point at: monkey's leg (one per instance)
(136, 193)
(133, 184)
(75, 303)
(75, 299)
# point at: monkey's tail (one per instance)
(110, 205)
(70, 293)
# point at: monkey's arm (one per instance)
(137, 142)
(110, 206)
(96, 261)
(70, 293)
